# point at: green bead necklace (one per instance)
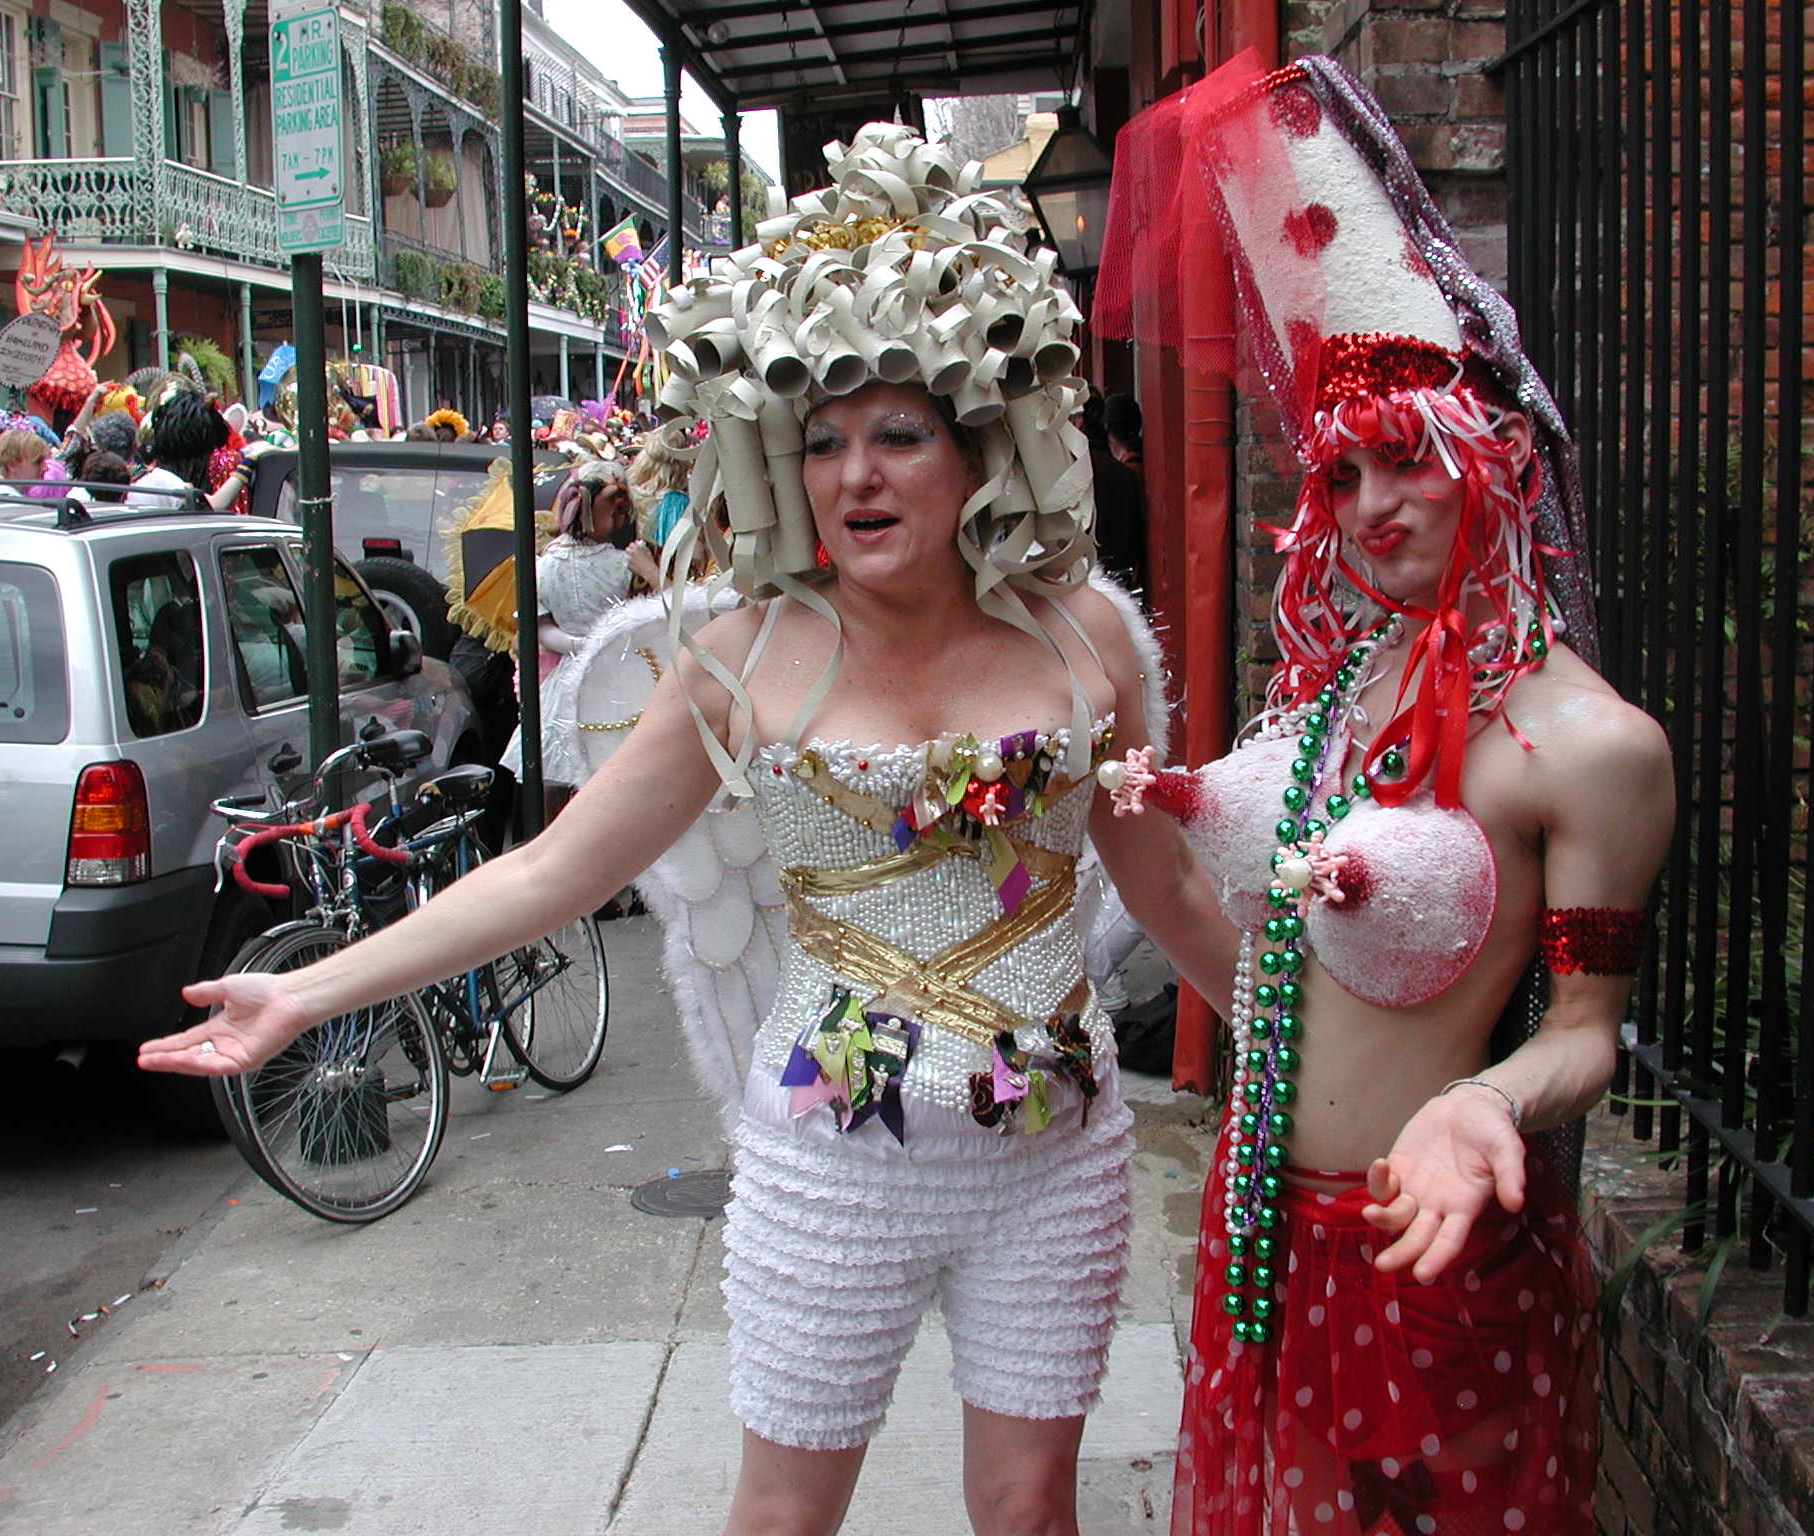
(1267, 1025)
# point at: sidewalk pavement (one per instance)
(519, 1349)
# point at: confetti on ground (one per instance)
(622, 1146)
(120, 1301)
(49, 1368)
(39, 1356)
(673, 1173)
(88, 1317)
(116, 1186)
(535, 1098)
(86, 1210)
(340, 1356)
(481, 1136)
(72, 1329)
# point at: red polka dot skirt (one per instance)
(1382, 1407)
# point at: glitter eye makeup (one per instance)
(906, 424)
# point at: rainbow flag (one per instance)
(623, 244)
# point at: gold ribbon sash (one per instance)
(933, 991)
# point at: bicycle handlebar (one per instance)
(391, 754)
(353, 818)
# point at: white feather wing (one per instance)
(715, 891)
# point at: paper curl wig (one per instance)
(901, 271)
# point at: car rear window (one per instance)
(158, 619)
(411, 506)
(34, 686)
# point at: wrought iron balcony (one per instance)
(92, 200)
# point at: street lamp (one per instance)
(1069, 190)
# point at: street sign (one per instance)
(305, 126)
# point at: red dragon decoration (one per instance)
(69, 297)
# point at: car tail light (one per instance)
(393, 548)
(110, 832)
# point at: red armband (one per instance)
(1597, 941)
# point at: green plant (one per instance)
(403, 30)
(491, 296)
(439, 171)
(460, 284)
(217, 368)
(594, 294)
(398, 159)
(484, 89)
(418, 276)
(716, 176)
(443, 55)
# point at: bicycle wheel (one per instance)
(347, 1119)
(464, 1037)
(557, 1031)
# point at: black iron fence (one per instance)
(1658, 157)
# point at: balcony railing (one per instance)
(92, 200)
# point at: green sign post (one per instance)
(311, 218)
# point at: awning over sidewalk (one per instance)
(863, 55)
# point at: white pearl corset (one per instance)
(923, 912)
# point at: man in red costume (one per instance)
(1393, 1321)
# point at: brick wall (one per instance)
(1705, 1428)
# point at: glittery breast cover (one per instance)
(1410, 927)
(923, 913)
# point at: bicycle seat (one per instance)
(460, 786)
(395, 750)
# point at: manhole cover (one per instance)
(692, 1194)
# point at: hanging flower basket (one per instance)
(440, 181)
(397, 168)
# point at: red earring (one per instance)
(821, 555)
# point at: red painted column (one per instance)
(1200, 547)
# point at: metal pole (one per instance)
(566, 370)
(733, 165)
(315, 502)
(598, 370)
(670, 67)
(160, 309)
(522, 464)
(248, 365)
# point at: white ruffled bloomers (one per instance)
(836, 1244)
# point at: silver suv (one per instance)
(151, 661)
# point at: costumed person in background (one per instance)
(1121, 423)
(917, 695)
(447, 425)
(183, 439)
(1120, 503)
(1393, 1327)
(25, 460)
(588, 565)
(658, 480)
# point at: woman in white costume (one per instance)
(588, 566)
(932, 1108)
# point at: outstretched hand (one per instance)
(1458, 1152)
(256, 1020)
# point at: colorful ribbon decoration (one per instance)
(1014, 1094)
(853, 1060)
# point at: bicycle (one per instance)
(347, 1120)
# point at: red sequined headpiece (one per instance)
(1376, 363)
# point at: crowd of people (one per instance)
(1403, 890)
